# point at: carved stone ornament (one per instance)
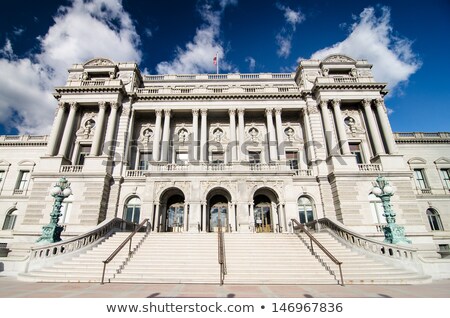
(217, 133)
(125, 77)
(311, 76)
(146, 134)
(183, 135)
(87, 127)
(313, 109)
(338, 58)
(99, 62)
(254, 134)
(352, 122)
(290, 133)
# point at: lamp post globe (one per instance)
(51, 233)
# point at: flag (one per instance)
(215, 60)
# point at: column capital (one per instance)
(204, 111)
(158, 112)
(114, 105)
(323, 103)
(366, 102)
(241, 111)
(102, 105)
(74, 105)
(61, 105)
(379, 102)
(336, 102)
(311, 109)
(232, 111)
(277, 111)
(167, 112)
(195, 111)
(268, 111)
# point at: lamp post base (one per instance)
(395, 234)
(51, 233)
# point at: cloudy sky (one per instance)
(407, 43)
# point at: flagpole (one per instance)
(217, 63)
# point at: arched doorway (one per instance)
(218, 213)
(132, 211)
(265, 211)
(173, 214)
(305, 209)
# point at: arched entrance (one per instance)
(265, 211)
(218, 210)
(173, 216)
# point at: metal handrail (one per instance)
(119, 248)
(221, 252)
(300, 226)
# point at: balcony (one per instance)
(71, 169)
(219, 167)
(369, 167)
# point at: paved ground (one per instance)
(10, 287)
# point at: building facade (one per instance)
(247, 152)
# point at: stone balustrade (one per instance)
(412, 137)
(23, 139)
(369, 167)
(343, 80)
(208, 77)
(217, 90)
(71, 169)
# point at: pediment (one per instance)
(99, 62)
(26, 163)
(417, 160)
(4, 163)
(338, 58)
(442, 160)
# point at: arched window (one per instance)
(376, 209)
(132, 211)
(10, 220)
(435, 220)
(305, 210)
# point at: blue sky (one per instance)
(407, 42)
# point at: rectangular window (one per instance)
(84, 151)
(292, 159)
(218, 157)
(2, 176)
(22, 182)
(254, 157)
(445, 174)
(182, 158)
(144, 160)
(356, 150)
(419, 176)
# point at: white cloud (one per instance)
(18, 31)
(197, 56)
(27, 83)
(7, 50)
(372, 38)
(148, 32)
(251, 63)
(284, 37)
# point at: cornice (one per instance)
(88, 89)
(349, 86)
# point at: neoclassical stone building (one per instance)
(251, 150)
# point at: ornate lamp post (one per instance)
(393, 233)
(51, 233)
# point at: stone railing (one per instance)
(18, 192)
(203, 167)
(369, 167)
(71, 169)
(42, 253)
(411, 137)
(23, 139)
(209, 77)
(344, 80)
(217, 90)
(94, 83)
(354, 239)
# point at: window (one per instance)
(84, 151)
(376, 209)
(445, 174)
(2, 175)
(217, 157)
(435, 220)
(144, 160)
(305, 210)
(133, 210)
(356, 150)
(22, 182)
(182, 158)
(419, 176)
(10, 220)
(292, 159)
(254, 157)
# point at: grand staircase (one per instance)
(263, 258)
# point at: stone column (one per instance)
(56, 131)
(185, 217)
(280, 134)
(157, 135)
(232, 144)
(385, 127)
(166, 136)
(251, 221)
(206, 217)
(111, 129)
(271, 136)
(157, 218)
(283, 217)
(68, 131)
(100, 123)
(203, 137)
(342, 134)
(309, 147)
(203, 215)
(195, 133)
(241, 130)
(327, 127)
(373, 131)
